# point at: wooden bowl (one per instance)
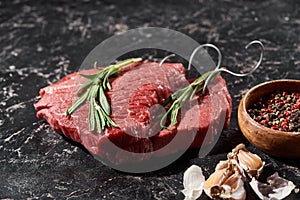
(277, 143)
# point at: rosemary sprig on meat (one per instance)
(93, 90)
(180, 96)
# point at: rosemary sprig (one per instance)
(94, 91)
(180, 96)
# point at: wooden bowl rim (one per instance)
(258, 125)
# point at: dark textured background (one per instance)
(40, 42)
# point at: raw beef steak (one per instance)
(136, 98)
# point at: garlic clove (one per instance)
(193, 181)
(238, 147)
(233, 181)
(213, 180)
(222, 164)
(277, 187)
(226, 182)
(239, 168)
(236, 184)
(250, 162)
(233, 188)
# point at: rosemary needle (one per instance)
(180, 96)
(93, 90)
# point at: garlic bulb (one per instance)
(227, 182)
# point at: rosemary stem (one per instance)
(180, 96)
(95, 87)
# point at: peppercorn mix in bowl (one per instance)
(269, 117)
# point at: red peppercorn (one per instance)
(274, 127)
(279, 111)
(284, 94)
(263, 122)
(269, 102)
(286, 113)
(285, 126)
(298, 103)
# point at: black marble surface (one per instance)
(40, 42)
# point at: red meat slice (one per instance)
(135, 101)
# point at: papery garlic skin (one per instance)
(193, 181)
(254, 185)
(191, 194)
(279, 187)
(240, 192)
(281, 193)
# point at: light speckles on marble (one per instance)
(42, 42)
